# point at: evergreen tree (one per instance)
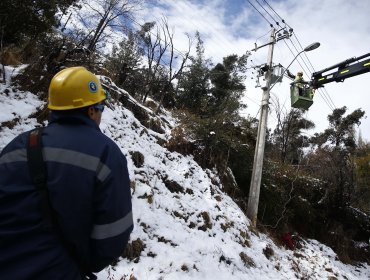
(287, 137)
(124, 63)
(194, 84)
(337, 146)
(362, 166)
(213, 96)
(22, 20)
(227, 87)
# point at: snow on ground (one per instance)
(188, 228)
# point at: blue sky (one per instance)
(234, 26)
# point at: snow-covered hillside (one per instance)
(185, 226)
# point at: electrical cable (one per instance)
(290, 196)
(290, 38)
(218, 40)
(263, 35)
(255, 102)
(324, 94)
(298, 51)
(277, 23)
(294, 55)
(326, 99)
(327, 94)
(260, 13)
(282, 20)
(295, 36)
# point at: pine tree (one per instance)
(124, 63)
(337, 146)
(287, 137)
(27, 20)
(194, 84)
(227, 87)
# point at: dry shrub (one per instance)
(207, 221)
(173, 186)
(10, 56)
(137, 158)
(179, 142)
(133, 250)
(248, 261)
(268, 251)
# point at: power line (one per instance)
(282, 20)
(255, 102)
(327, 96)
(328, 101)
(264, 35)
(277, 23)
(304, 52)
(260, 13)
(218, 40)
(298, 51)
(324, 93)
(294, 56)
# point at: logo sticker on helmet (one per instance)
(93, 87)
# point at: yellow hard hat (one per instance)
(73, 88)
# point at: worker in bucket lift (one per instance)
(299, 82)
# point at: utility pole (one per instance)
(254, 191)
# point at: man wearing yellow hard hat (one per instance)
(65, 208)
(298, 81)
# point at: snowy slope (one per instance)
(185, 226)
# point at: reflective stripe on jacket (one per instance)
(89, 190)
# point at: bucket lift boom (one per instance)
(349, 68)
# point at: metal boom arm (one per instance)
(346, 69)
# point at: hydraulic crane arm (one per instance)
(345, 69)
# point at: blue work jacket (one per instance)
(89, 190)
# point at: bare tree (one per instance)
(154, 48)
(172, 73)
(108, 14)
(161, 59)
